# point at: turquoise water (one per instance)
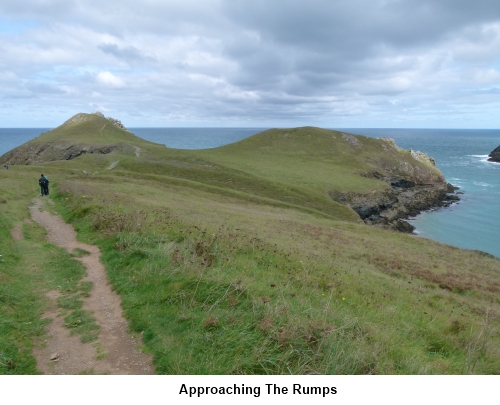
(473, 223)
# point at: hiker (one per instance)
(44, 185)
(6, 166)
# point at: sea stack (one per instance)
(494, 156)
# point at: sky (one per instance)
(252, 63)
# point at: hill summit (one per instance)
(81, 134)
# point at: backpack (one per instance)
(43, 181)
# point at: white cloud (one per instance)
(282, 62)
(108, 79)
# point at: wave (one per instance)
(482, 184)
(484, 158)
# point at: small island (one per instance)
(494, 156)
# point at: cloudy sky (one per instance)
(252, 63)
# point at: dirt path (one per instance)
(64, 354)
(16, 232)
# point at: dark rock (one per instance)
(401, 183)
(405, 199)
(403, 226)
(494, 156)
(29, 153)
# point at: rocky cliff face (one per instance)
(29, 154)
(414, 188)
(494, 156)
(405, 199)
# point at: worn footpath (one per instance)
(115, 351)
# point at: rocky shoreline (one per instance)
(405, 199)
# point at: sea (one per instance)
(460, 154)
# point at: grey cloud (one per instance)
(347, 37)
(128, 54)
(247, 61)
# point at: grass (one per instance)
(235, 261)
(236, 293)
(28, 269)
(77, 252)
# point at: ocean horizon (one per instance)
(460, 154)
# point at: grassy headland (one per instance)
(236, 260)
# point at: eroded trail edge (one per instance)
(115, 351)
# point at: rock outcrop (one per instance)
(405, 199)
(115, 122)
(494, 156)
(34, 153)
(84, 117)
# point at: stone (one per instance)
(54, 356)
(351, 139)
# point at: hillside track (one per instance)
(115, 352)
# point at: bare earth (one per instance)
(16, 232)
(65, 354)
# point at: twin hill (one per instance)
(317, 170)
(254, 257)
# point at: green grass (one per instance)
(236, 261)
(197, 286)
(82, 322)
(79, 252)
(28, 269)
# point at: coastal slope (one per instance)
(344, 176)
(238, 260)
(380, 181)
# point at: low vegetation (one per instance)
(232, 262)
(29, 268)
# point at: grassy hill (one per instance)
(317, 158)
(236, 260)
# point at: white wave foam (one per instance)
(484, 159)
(482, 184)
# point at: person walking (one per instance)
(46, 185)
(43, 182)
